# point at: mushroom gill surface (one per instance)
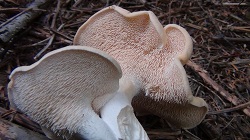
(152, 55)
(58, 91)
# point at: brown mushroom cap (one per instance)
(147, 52)
(59, 90)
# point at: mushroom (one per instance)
(153, 56)
(66, 90)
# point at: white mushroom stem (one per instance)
(95, 128)
(119, 115)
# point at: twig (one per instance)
(212, 131)
(234, 4)
(232, 39)
(64, 36)
(241, 29)
(156, 134)
(11, 131)
(228, 124)
(52, 26)
(38, 43)
(14, 17)
(231, 98)
(55, 15)
(236, 17)
(208, 89)
(19, 9)
(197, 138)
(169, 9)
(7, 113)
(230, 109)
(196, 27)
(236, 62)
(20, 119)
(45, 47)
(41, 33)
(21, 20)
(77, 2)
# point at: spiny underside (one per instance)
(177, 115)
(60, 85)
(135, 43)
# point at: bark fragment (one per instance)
(10, 131)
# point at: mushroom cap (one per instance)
(146, 51)
(59, 90)
(142, 47)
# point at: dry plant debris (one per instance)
(219, 70)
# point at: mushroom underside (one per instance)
(184, 116)
(58, 91)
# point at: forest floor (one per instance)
(219, 70)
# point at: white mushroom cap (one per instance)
(147, 52)
(58, 91)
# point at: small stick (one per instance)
(52, 26)
(240, 29)
(56, 14)
(236, 62)
(160, 132)
(11, 131)
(236, 17)
(156, 134)
(64, 36)
(46, 47)
(234, 4)
(197, 138)
(14, 17)
(231, 98)
(228, 124)
(15, 24)
(208, 89)
(196, 27)
(77, 2)
(232, 39)
(169, 9)
(19, 9)
(40, 33)
(230, 109)
(40, 42)
(20, 119)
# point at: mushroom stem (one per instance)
(95, 128)
(119, 108)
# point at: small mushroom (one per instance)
(152, 55)
(65, 91)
